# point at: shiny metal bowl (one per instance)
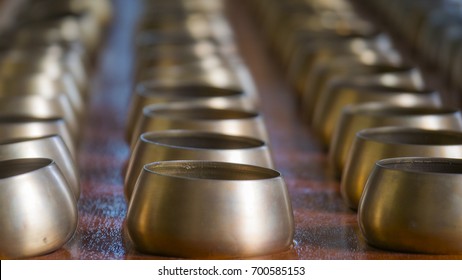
(38, 211)
(193, 145)
(330, 104)
(374, 144)
(217, 97)
(357, 117)
(413, 205)
(52, 147)
(206, 209)
(202, 117)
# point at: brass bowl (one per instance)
(324, 76)
(51, 147)
(165, 61)
(218, 97)
(44, 85)
(27, 127)
(67, 27)
(45, 9)
(166, 66)
(51, 61)
(330, 104)
(38, 211)
(324, 50)
(34, 106)
(204, 71)
(193, 145)
(413, 205)
(156, 52)
(374, 144)
(202, 117)
(207, 209)
(357, 117)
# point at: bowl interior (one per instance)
(203, 113)
(9, 168)
(211, 170)
(434, 165)
(203, 141)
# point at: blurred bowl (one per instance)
(326, 49)
(52, 61)
(357, 117)
(374, 144)
(208, 71)
(41, 107)
(418, 200)
(38, 212)
(202, 117)
(221, 210)
(193, 145)
(330, 104)
(217, 97)
(44, 85)
(344, 68)
(27, 127)
(51, 147)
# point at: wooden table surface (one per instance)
(325, 227)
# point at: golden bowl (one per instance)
(345, 68)
(41, 107)
(202, 117)
(51, 61)
(374, 144)
(413, 205)
(38, 212)
(165, 61)
(204, 71)
(156, 52)
(330, 104)
(44, 85)
(311, 54)
(41, 10)
(180, 65)
(218, 97)
(207, 209)
(66, 27)
(52, 147)
(193, 145)
(27, 127)
(367, 115)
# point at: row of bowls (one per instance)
(199, 180)
(431, 29)
(390, 140)
(45, 60)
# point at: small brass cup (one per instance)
(202, 117)
(413, 205)
(218, 97)
(330, 104)
(38, 211)
(367, 115)
(207, 209)
(374, 144)
(193, 145)
(52, 147)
